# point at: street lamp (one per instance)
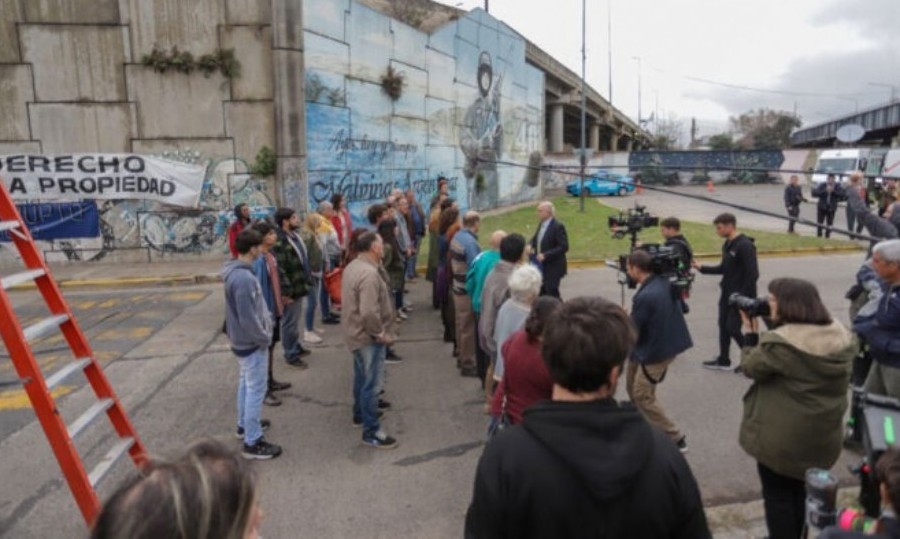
(891, 86)
(583, 101)
(638, 58)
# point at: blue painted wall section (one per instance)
(469, 99)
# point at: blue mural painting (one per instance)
(469, 100)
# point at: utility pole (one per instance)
(693, 133)
(609, 46)
(583, 101)
(640, 117)
(487, 6)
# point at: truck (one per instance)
(841, 163)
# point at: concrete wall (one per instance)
(71, 80)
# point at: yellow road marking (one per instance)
(109, 303)
(17, 399)
(140, 332)
(186, 296)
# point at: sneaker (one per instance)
(311, 337)
(379, 440)
(392, 358)
(383, 404)
(303, 352)
(738, 370)
(332, 320)
(275, 385)
(357, 421)
(261, 450)
(271, 400)
(717, 365)
(319, 331)
(682, 444)
(468, 372)
(402, 315)
(406, 310)
(263, 423)
(297, 363)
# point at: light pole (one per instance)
(640, 70)
(609, 46)
(583, 102)
(891, 86)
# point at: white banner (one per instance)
(101, 177)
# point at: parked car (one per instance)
(602, 183)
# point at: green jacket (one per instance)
(394, 266)
(794, 411)
(292, 272)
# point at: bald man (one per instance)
(475, 278)
(549, 246)
(463, 250)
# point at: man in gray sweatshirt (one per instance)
(249, 328)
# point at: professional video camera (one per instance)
(752, 306)
(632, 222)
(881, 417)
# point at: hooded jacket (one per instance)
(248, 321)
(587, 469)
(793, 412)
(881, 329)
(739, 268)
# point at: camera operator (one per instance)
(793, 411)
(662, 335)
(887, 470)
(739, 271)
(670, 228)
(881, 329)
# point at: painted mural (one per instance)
(469, 101)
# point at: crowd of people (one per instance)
(564, 457)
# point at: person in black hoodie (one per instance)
(740, 271)
(793, 197)
(583, 465)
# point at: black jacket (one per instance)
(587, 469)
(554, 246)
(682, 247)
(793, 196)
(657, 315)
(828, 201)
(739, 268)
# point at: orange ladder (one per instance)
(38, 388)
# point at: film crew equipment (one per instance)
(752, 306)
(881, 418)
(821, 499)
(631, 223)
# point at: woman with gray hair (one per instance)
(524, 287)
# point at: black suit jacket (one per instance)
(554, 246)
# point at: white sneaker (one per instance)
(311, 337)
(401, 315)
(319, 331)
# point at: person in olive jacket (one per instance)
(793, 412)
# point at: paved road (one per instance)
(178, 384)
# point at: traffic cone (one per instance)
(709, 185)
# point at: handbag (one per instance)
(333, 283)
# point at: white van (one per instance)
(891, 167)
(840, 163)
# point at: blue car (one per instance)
(602, 183)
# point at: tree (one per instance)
(722, 142)
(667, 134)
(764, 129)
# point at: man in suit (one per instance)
(549, 246)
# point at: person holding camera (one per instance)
(740, 271)
(794, 410)
(662, 335)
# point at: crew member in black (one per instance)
(793, 196)
(670, 228)
(739, 271)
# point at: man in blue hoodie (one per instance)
(881, 329)
(248, 324)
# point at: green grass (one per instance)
(590, 239)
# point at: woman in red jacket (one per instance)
(341, 221)
(525, 377)
(241, 221)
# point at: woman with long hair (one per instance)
(393, 261)
(448, 226)
(316, 256)
(526, 379)
(794, 411)
(341, 221)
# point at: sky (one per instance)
(712, 59)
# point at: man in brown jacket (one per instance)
(369, 327)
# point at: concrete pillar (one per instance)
(594, 139)
(556, 128)
(629, 146)
(614, 141)
(290, 104)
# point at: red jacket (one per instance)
(338, 226)
(235, 229)
(525, 377)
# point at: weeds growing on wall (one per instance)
(265, 163)
(392, 82)
(174, 59)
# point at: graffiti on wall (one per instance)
(481, 137)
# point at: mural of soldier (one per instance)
(481, 138)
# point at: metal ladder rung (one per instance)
(66, 371)
(88, 417)
(109, 459)
(18, 278)
(8, 225)
(45, 326)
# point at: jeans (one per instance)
(367, 381)
(784, 499)
(411, 261)
(252, 387)
(311, 302)
(290, 329)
